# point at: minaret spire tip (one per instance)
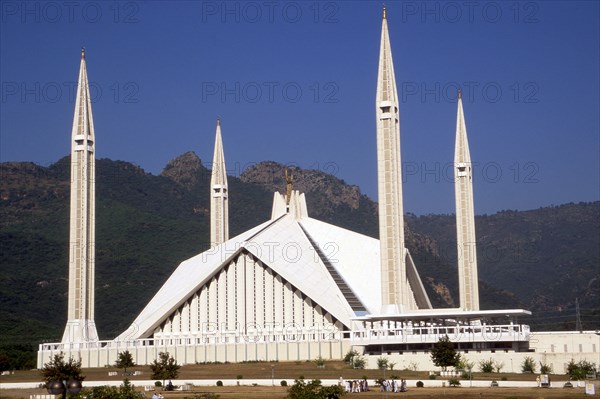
(459, 94)
(83, 53)
(384, 12)
(218, 121)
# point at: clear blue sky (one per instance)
(294, 82)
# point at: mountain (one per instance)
(146, 225)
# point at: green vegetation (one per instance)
(314, 390)
(382, 363)
(443, 353)
(164, 368)
(486, 366)
(58, 369)
(320, 362)
(124, 360)
(528, 365)
(354, 359)
(125, 391)
(579, 370)
(146, 225)
(545, 368)
(453, 382)
(17, 357)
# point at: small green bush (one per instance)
(504, 379)
(486, 366)
(432, 376)
(283, 383)
(219, 383)
(528, 365)
(420, 384)
(453, 382)
(157, 384)
(239, 376)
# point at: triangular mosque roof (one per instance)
(327, 263)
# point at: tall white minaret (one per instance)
(219, 207)
(465, 216)
(80, 324)
(394, 285)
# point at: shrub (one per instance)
(545, 368)
(354, 359)
(504, 379)
(578, 371)
(320, 362)
(239, 376)
(528, 365)
(498, 366)
(350, 355)
(313, 389)
(486, 366)
(157, 384)
(219, 383)
(453, 382)
(359, 363)
(283, 383)
(382, 363)
(432, 376)
(420, 384)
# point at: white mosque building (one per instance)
(296, 288)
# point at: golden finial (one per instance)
(218, 121)
(384, 12)
(83, 53)
(459, 94)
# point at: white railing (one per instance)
(431, 334)
(318, 334)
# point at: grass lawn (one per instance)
(293, 370)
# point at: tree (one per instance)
(165, 367)
(124, 360)
(59, 370)
(314, 390)
(443, 353)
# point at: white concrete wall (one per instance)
(555, 349)
(191, 354)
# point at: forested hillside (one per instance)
(146, 225)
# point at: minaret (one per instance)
(465, 216)
(394, 286)
(80, 324)
(219, 207)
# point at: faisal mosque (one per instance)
(296, 288)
